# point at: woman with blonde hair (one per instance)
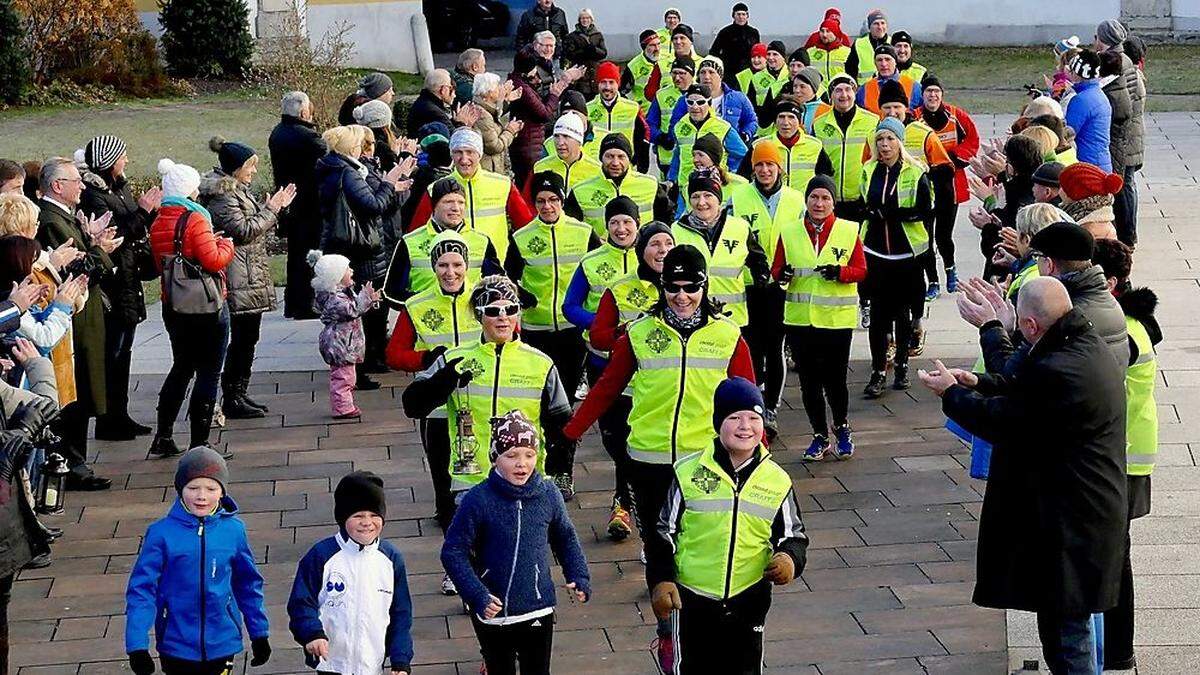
(898, 199)
(1046, 139)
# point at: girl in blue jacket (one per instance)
(195, 581)
(497, 552)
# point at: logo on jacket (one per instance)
(606, 271)
(599, 199)
(658, 340)
(537, 245)
(839, 253)
(335, 586)
(730, 244)
(706, 480)
(473, 366)
(639, 297)
(433, 319)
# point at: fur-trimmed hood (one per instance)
(1140, 303)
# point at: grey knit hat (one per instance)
(1111, 32)
(374, 85)
(201, 462)
(374, 114)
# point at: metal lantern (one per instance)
(52, 485)
(465, 443)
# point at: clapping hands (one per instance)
(282, 198)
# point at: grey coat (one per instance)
(1089, 294)
(237, 215)
(22, 537)
(1135, 84)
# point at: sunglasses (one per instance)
(495, 311)
(697, 102)
(684, 288)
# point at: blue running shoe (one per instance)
(845, 444)
(951, 280)
(817, 449)
(933, 291)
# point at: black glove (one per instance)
(141, 663)
(829, 272)
(14, 451)
(32, 416)
(787, 274)
(666, 141)
(432, 355)
(260, 650)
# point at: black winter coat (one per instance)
(295, 148)
(1052, 529)
(535, 21)
(1120, 131)
(425, 109)
(123, 288)
(732, 45)
(1091, 297)
(372, 200)
(585, 47)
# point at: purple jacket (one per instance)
(342, 341)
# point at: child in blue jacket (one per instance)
(350, 605)
(195, 580)
(498, 547)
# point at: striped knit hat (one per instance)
(102, 152)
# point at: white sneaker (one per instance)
(582, 390)
(448, 587)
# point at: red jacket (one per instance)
(960, 138)
(200, 245)
(402, 353)
(852, 273)
(619, 373)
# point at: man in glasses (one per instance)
(700, 120)
(499, 372)
(683, 73)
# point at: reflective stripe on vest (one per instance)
(726, 264)
(672, 406)
(1141, 413)
(829, 62)
(487, 200)
(421, 277)
(504, 377)
(866, 59)
(799, 159)
(846, 150)
(686, 134)
(747, 203)
(668, 96)
(440, 320)
(724, 541)
(621, 118)
(594, 194)
(582, 169)
(916, 133)
(906, 198)
(551, 254)
(602, 267)
(641, 69)
(811, 300)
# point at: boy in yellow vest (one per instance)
(730, 529)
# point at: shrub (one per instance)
(319, 70)
(206, 38)
(14, 63)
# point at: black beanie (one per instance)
(443, 187)
(1064, 241)
(800, 55)
(901, 36)
(230, 154)
(621, 205)
(740, 7)
(201, 462)
(684, 64)
(705, 181)
(733, 396)
(930, 80)
(358, 491)
(1047, 174)
(616, 142)
(572, 100)
(685, 263)
(697, 89)
(648, 231)
(685, 30)
(891, 91)
(820, 181)
(547, 181)
(778, 47)
(886, 50)
(710, 145)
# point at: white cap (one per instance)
(571, 126)
(178, 180)
(328, 269)
(466, 137)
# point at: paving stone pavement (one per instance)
(888, 583)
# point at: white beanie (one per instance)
(178, 180)
(571, 126)
(374, 114)
(466, 137)
(328, 269)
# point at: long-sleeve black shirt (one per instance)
(885, 218)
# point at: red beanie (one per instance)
(832, 25)
(1082, 180)
(834, 13)
(608, 71)
(759, 50)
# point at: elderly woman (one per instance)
(490, 94)
(584, 46)
(198, 340)
(898, 198)
(225, 192)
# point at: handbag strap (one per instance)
(180, 228)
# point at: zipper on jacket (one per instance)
(679, 399)
(516, 554)
(496, 380)
(203, 589)
(454, 319)
(737, 493)
(845, 140)
(554, 277)
(537, 579)
(471, 201)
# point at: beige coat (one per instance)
(62, 356)
(496, 140)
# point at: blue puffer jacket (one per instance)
(1090, 115)
(372, 200)
(500, 542)
(735, 108)
(195, 582)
